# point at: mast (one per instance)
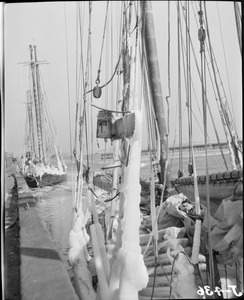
(39, 97)
(155, 85)
(31, 124)
(35, 93)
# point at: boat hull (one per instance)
(46, 180)
(221, 186)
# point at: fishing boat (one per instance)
(42, 161)
(179, 248)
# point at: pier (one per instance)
(41, 270)
(198, 147)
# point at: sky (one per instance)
(51, 26)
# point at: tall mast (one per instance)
(155, 84)
(35, 93)
(39, 97)
(31, 124)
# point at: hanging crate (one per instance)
(104, 124)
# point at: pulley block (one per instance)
(97, 91)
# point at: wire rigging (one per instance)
(67, 65)
(238, 24)
(231, 136)
(210, 112)
(227, 73)
(100, 60)
(201, 37)
(167, 97)
(180, 171)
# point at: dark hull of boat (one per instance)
(46, 180)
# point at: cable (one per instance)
(100, 61)
(67, 64)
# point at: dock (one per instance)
(42, 273)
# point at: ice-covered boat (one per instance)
(180, 249)
(42, 161)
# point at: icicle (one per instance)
(130, 275)
(100, 238)
(78, 254)
(104, 292)
(78, 257)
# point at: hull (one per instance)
(45, 180)
(221, 186)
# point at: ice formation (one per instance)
(129, 271)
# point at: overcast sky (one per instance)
(43, 24)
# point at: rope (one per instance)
(203, 72)
(87, 70)
(186, 79)
(67, 64)
(211, 115)
(188, 85)
(100, 61)
(78, 108)
(180, 172)
(76, 76)
(116, 67)
(167, 97)
(238, 24)
(91, 114)
(225, 116)
(227, 73)
(82, 120)
(159, 210)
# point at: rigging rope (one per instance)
(226, 120)
(80, 114)
(67, 64)
(116, 67)
(188, 86)
(180, 171)
(201, 37)
(100, 61)
(211, 115)
(227, 73)
(238, 24)
(167, 97)
(86, 84)
(78, 81)
(91, 99)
